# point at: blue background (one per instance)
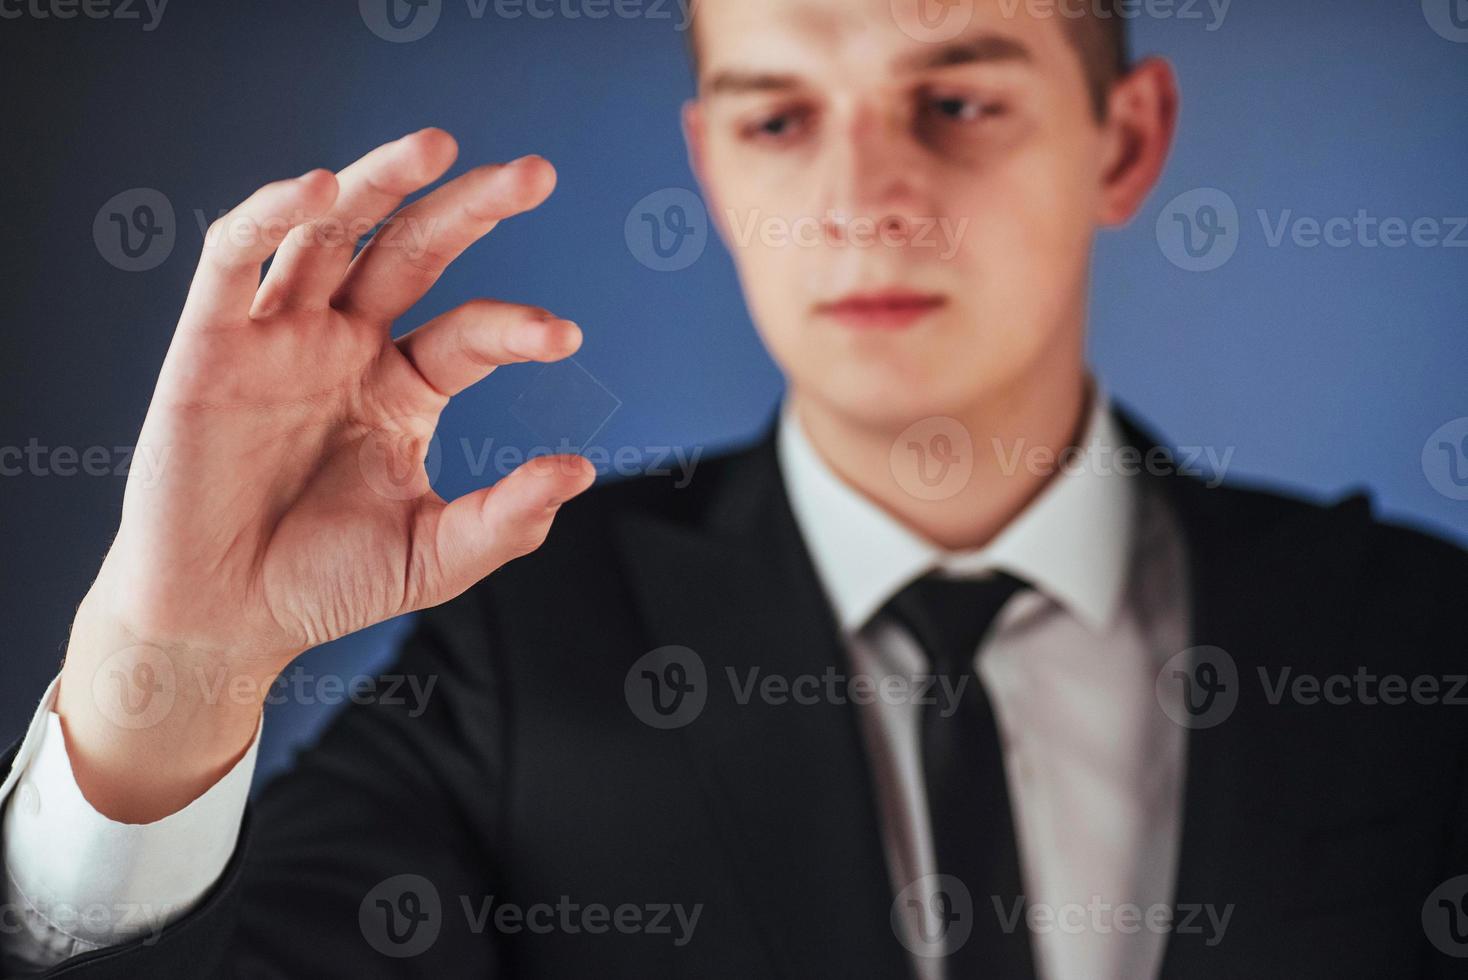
(1324, 369)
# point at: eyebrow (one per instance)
(734, 82)
(984, 49)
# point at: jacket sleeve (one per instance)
(374, 854)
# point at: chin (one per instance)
(875, 395)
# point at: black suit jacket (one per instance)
(529, 779)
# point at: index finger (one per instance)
(394, 271)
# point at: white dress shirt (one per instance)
(75, 880)
(1094, 767)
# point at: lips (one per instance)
(888, 309)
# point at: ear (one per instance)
(694, 136)
(1140, 124)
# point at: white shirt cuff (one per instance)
(76, 881)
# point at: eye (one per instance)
(959, 108)
(777, 128)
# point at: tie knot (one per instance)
(949, 617)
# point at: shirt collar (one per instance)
(1072, 543)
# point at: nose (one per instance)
(870, 169)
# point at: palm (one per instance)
(292, 506)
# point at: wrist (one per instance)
(149, 726)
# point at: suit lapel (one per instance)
(1246, 569)
(788, 784)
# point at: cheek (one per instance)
(760, 215)
(1027, 224)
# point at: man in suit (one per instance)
(953, 673)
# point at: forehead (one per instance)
(866, 39)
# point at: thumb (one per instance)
(480, 531)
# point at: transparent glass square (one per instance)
(565, 406)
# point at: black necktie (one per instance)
(963, 770)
